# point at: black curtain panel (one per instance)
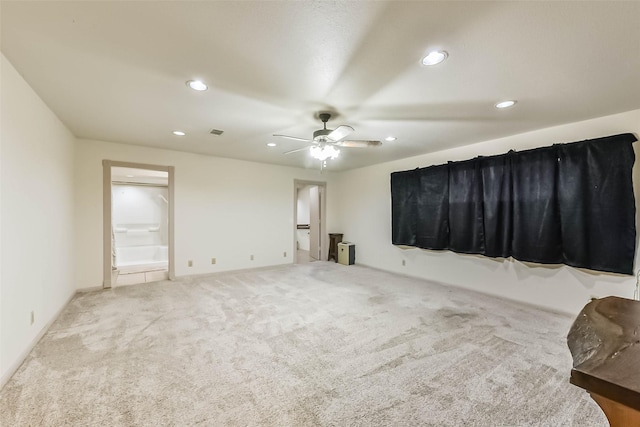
(405, 189)
(536, 216)
(597, 206)
(497, 197)
(433, 208)
(466, 228)
(568, 203)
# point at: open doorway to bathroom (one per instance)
(138, 231)
(309, 213)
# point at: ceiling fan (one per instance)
(325, 140)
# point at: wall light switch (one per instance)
(404, 263)
(251, 258)
(285, 254)
(190, 263)
(213, 260)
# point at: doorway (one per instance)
(309, 215)
(138, 223)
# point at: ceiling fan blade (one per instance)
(296, 150)
(292, 137)
(340, 132)
(358, 144)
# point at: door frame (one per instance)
(322, 187)
(107, 244)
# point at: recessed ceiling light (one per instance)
(435, 57)
(390, 138)
(197, 85)
(271, 144)
(179, 133)
(506, 104)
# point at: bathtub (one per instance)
(138, 255)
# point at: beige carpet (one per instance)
(317, 344)
(303, 257)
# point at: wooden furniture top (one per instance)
(605, 344)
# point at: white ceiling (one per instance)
(116, 71)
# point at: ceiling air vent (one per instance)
(216, 132)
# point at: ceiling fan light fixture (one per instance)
(197, 85)
(325, 152)
(506, 104)
(435, 57)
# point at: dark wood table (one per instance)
(605, 344)
(334, 239)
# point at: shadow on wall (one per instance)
(523, 270)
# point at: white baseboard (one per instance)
(231, 271)
(4, 379)
(90, 289)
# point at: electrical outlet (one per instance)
(404, 263)
(251, 257)
(285, 254)
(213, 260)
(190, 263)
(33, 317)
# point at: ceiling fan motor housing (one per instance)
(321, 134)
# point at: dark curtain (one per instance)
(569, 203)
(466, 233)
(433, 208)
(404, 207)
(497, 196)
(597, 207)
(536, 217)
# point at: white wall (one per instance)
(365, 218)
(224, 209)
(36, 217)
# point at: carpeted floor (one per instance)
(317, 344)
